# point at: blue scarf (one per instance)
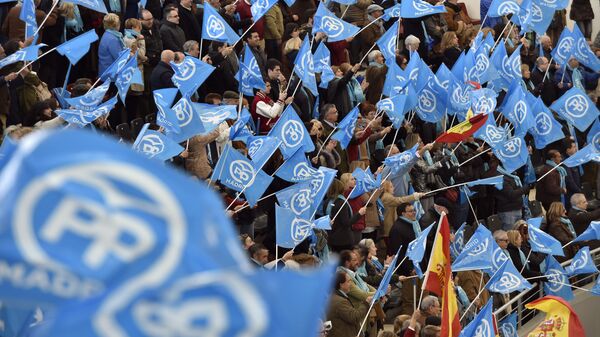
(427, 157)
(377, 264)
(118, 35)
(577, 78)
(355, 92)
(569, 224)
(130, 33)
(519, 184)
(75, 24)
(115, 6)
(561, 170)
(356, 278)
(415, 225)
(523, 258)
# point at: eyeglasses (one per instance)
(503, 240)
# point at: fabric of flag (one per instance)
(518, 112)
(239, 129)
(490, 133)
(296, 168)
(431, 102)
(82, 118)
(188, 122)
(497, 181)
(85, 186)
(323, 223)
(498, 258)
(590, 233)
(212, 115)
(77, 47)
(438, 279)
(554, 4)
(249, 75)
(298, 198)
(190, 74)
(512, 153)
(500, 61)
(387, 43)
(154, 144)
(322, 64)
(402, 162)
(365, 182)
(395, 80)
(587, 153)
(416, 249)
(508, 326)
(557, 310)
(583, 52)
(387, 277)
(304, 67)
(260, 7)
(239, 174)
(462, 131)
(503, 7)
(392, 12)
(26, 54)
(418, 72)
(20, 320)
(507, 279)
(523, 17)
(291, 131)
(336, 29)
(417, 8)
(7, 149)
(96, 5)
(459, 242)
(477, 253)
(346, 127)
(261, 148)
(576, 108)
(115, 68)
(215, 28)
(483, 101)
(558, 282)
(125, 77)
(394, 107)
(90, 100)
(543, 242)
(483, 324)
(165, 116)
(290, 230)
(541, 16)
(546, 129)
(479, 68)
(564, 48)
(596, 289)
(582, 263)
(594, 132)
(27, 15)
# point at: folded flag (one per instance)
(81, 118)
(187, 121)
(477, 253)
(560, 321)
(96, 5)
(26, 54)
(90, 100)
(77, 47)
(546, 129)
(154, 144)
(508, 326)
(394, 107)
(497, 181)
(462, 131)
(296, 168)
(365, 182)
(418, 8)
(590, 233)
(558, 282)
(304, 67)
(239, 129)
(125, 77)
(165, 117)
(590, 152)
(190, 74)
(402, 162)
(212, 115)
(416, 249)
(459, 241)
(582, 263)
(336, 29)
(345, 129)
(261, 148)
(594, 132)
(392, 12)
(512, 153)
(576, 108)
(323, 223)
(387, 277)
(115, 68)
(215, 28)
(543, 242)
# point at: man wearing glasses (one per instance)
(172, 35)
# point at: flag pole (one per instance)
(325, 142)
(472, 209)
(525, 263)
(481, 291)
(367, 25)
(341, 207)
(244, 34)
(393, 141)
(547, 173)
(547, 69)
(261, 199)
(367, 53)
(475, 156)
(366, 317)
(568, 243)
(39, 57)
(222, 167)
(46, 18)
(508, 24)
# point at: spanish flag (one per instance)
(438, 279)
(463, 130)
(561, 320)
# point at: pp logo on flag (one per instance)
(391, 47)
(493, 134)
(317, 182)
(185, 70)
(582, 50)
(214, 117)
(596, 142)
(205, 304)
(499, 258)
(242, 172)
(508, 330)
(481, 65)
(152, 145)
(460, 96)
(421, 6)
(301, 201)
(480, 248)
(576, 106)
(292, 133)
(508, 7)
(254, 146)
(563, 50)
(427, 101)
(404, 158)
(520, 111)
(300, 230)
(556, 280)
(508, 282)
(332, 26)
(483, 329)
(511, 148)
(302, 170)
(386, 104)
(543, 124)
(215, 27)
(484, 105)
(581, 262)
(536, 13)
(184, 112)
(414, 74)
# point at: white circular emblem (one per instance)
(427, 101)
(543, 124)
(184, 112)
(511, 148)
(563, 50)
(185, 70)
(555, 280)
(576, 106)
(292, 133)
(301, 201)
(332, 26)
(520, 111)
(215, 27)
(508, 7)
(242, 172)
(151, 145)
(300, 230)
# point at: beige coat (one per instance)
(197, 161)
(390, 202)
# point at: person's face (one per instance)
(582, 204)
(547, 44)
(557, 158)
(267, 88)
(572, 149)
(215, 3)
(332, 115)
(274, 73)
(345, 286)
(410, 213)
(455, 40)
(339, 73)
(354, 262)
(380, 59)
(519, 241)
(262, 256)
(254, 40)
(295, 33)
(404, 63)
(394, 150)
(195, 51)
(435, 309)
(147, 20)
(351, 182)
(372, 251)
(2, 53)
(389, 188)
(377, 14)
(573, 63)
(316, 130)
(186, 3)
(173, 17)
(543, 65)
(503, 241)
(248, 242)
(526, 73)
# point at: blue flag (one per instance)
(395, 80)
(483, 324)
(431, 104)
(582, 263)
(165, 117)
(458, 244)
(296, 168)
(322, 64)
(483, 101)
(460, 98)
(77, 47)
(79, 187)
(154, 144)
(26, 54)
(497, 181)
(91, 99)
(97, 5)
(486, 45)
(503, 7)
(511, 67)
(594, 132)
(418, 8)
(365, 182)
(387, 43)
(249, 75)
(546, 130)
(336, 29)
(490, 133)
(564, 48)
(298, 198)
(323, 223)
(190, 74)
(479, 68)
(583, 52)
(523, 17)
(27, 15)
(392, 12)
(213, 115)
(346, 127)
(261, 148)
(239, 129)
(512, 153)
(290, 230)
(508, 326)
(215, 28)
(402, 162)
(558, 282)
(588, 153)
(477, 253)
(596, 289)
(507, 279)
(387, 277)
(518, 112)
(498, 258)
(81, 118)
(394, 107)
(187, 121)
(304, 67)
(541, 16)
(500, 61)
(115, 68)
(240, 174)
(590, 233)
(260, 7)
(125, 77)
(554, 4)
(543, 242)
(416, 249)
(576, 108)
(7, 149)
(291, 131)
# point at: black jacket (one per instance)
(581, 219)
(337, 93)
(401, 234)
(223, 77)
(510, 197)
(172, 35)
(188, 22)
(547, 90)
(341, 229)
(513, 251)
(154, 44)
(161, 76)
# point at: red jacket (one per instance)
(356, 204)
(243, 9)
(263, 123)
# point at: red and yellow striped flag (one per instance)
(438, 279)
(561, 320)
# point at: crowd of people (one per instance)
(369, 229)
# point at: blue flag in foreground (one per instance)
(558, 282)
(477, 253)
(418, 8)
(304, 67)
(293, 134)
(582, 263)
(26, 54)
(416, 249)
(290, 230)
(336, 29)
(483, 324)
(576, 108)
(77, 47)
(190, 74)
(346, 127)
(154, 144)
(588, 153)
(508, 326)
(590, 233)
(507, 279)
(543, 242)
(215, 28)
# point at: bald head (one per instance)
(546, 42)
(167, 56)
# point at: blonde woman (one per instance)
(134, 40)
(111, 43)
(355, 204)
(450, 48)
(561, 228)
